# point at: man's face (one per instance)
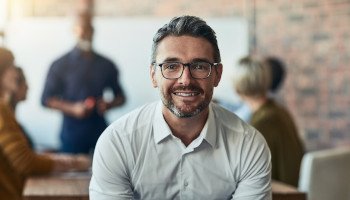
(185, 96)
(84, 31)
(84, 34)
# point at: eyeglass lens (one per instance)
(174, 70)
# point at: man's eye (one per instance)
(200, 66)
(171, 66)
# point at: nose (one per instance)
(186, 77)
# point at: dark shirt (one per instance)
(276, 124)
(75, 77)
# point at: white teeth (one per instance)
(186, 94)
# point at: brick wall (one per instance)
(312, 37)
(131, 7)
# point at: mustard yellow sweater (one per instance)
(17, 159)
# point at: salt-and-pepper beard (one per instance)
(84, 45)
(177, 111)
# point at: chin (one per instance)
(186, 111)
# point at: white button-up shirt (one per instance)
(137, 157)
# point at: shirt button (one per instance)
(186, 184)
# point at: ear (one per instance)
(152, 71)
(218, 71)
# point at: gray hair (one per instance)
(186, 25)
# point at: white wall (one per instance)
(3, 13)
(36, 42)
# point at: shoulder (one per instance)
(133, 125)
(105, 60)
(271, 113)
(238, 135)
(229, 122)
(137, 117)
(246, 148)
(65, 56)
(106, 65)
(126, 137)
(272, 109)
(62, 60)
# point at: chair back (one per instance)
(325, 174)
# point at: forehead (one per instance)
(184, 48)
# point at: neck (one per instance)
(5, 98)
(255, 102)
(85, 51)
(186, 129)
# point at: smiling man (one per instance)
(184, 146)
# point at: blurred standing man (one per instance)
(183, 146)
(75, 84)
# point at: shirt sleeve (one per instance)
(53, 84)
(110, 175)
(115, 83)
(255, 177)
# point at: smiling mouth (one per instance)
(186, 94)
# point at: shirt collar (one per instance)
(160, 127)
(76, 52)
(162, 130)
(211, 131)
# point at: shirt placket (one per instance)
(185, 191)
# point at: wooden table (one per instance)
(282, 191)
(64, 186)
(75, 186)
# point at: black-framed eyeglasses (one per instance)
(198, 70)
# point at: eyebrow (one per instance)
(174, 59)
(171, 59)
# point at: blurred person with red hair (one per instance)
(17, 158)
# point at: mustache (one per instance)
(184, 88)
